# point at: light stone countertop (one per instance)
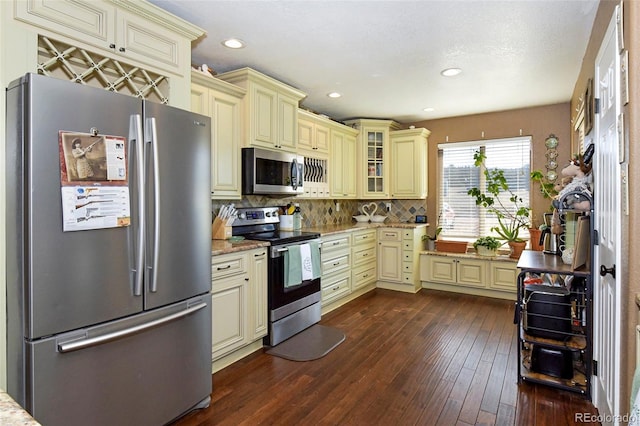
(471, 255)
(351, 227)
(12, 414)
(219, 247)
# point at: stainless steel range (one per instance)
(292, 308)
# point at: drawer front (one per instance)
(364, 275)
(335, 264)
(407, 277)
(407, 245)
(365, 255)
(407, 267)
(224, 266)
(407, 256)
(363, 238)
(389, 235)
(333, 244)
(407, 234)
(336, 287)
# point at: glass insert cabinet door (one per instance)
(375, 161)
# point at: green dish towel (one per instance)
(292, 267)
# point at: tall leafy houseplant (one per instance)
(499, 199)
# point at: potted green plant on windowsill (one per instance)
(430, 241)
(487, 246)
(508, 207)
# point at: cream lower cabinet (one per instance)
(364, 256)
(222, 102)
(336, 267)
(471, 275)
(398, 254)
(239, 300)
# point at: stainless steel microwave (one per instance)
(271, 172)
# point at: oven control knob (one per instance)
(268, 214)
(242, 215)
(275, 214)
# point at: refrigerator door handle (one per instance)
(152, 136)
(135, 137)
(98, 340)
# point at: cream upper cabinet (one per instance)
(137, 32)
(342, 162)
(409, 163)
(372, 167)
(313, 134)
(222, 102)
(270, 110)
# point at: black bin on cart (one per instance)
(547, 311)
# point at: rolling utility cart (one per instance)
(554, 312)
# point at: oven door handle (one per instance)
(277, 251)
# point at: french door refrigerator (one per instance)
(108, 256)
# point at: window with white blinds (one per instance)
(459, 216)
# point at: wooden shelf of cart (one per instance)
(554, 315)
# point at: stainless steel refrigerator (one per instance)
(109, 321)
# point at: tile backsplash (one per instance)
(325, 212)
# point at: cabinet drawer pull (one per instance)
(221, 268)
(389, 235)
(112, 46)
(259, 254)
(336, 288)
(336, 264)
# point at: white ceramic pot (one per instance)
(485, 251)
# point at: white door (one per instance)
(606, 173)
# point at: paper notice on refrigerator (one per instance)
(94, 181)
(92, 158)
(95, 207)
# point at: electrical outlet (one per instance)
(337, 206)
(388, 207)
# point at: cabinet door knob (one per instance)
(121, 49)
(112, 46)
(604, 271)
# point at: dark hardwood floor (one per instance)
(432, 358)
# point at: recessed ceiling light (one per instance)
(450, 72)
(428, 109)
(334, 95)
(233, 43)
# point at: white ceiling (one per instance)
(385, 57)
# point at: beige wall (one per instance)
(537, 122)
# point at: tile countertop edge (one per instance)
(219, 247)
(353, 227)
(13, 414)
(499, 258)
